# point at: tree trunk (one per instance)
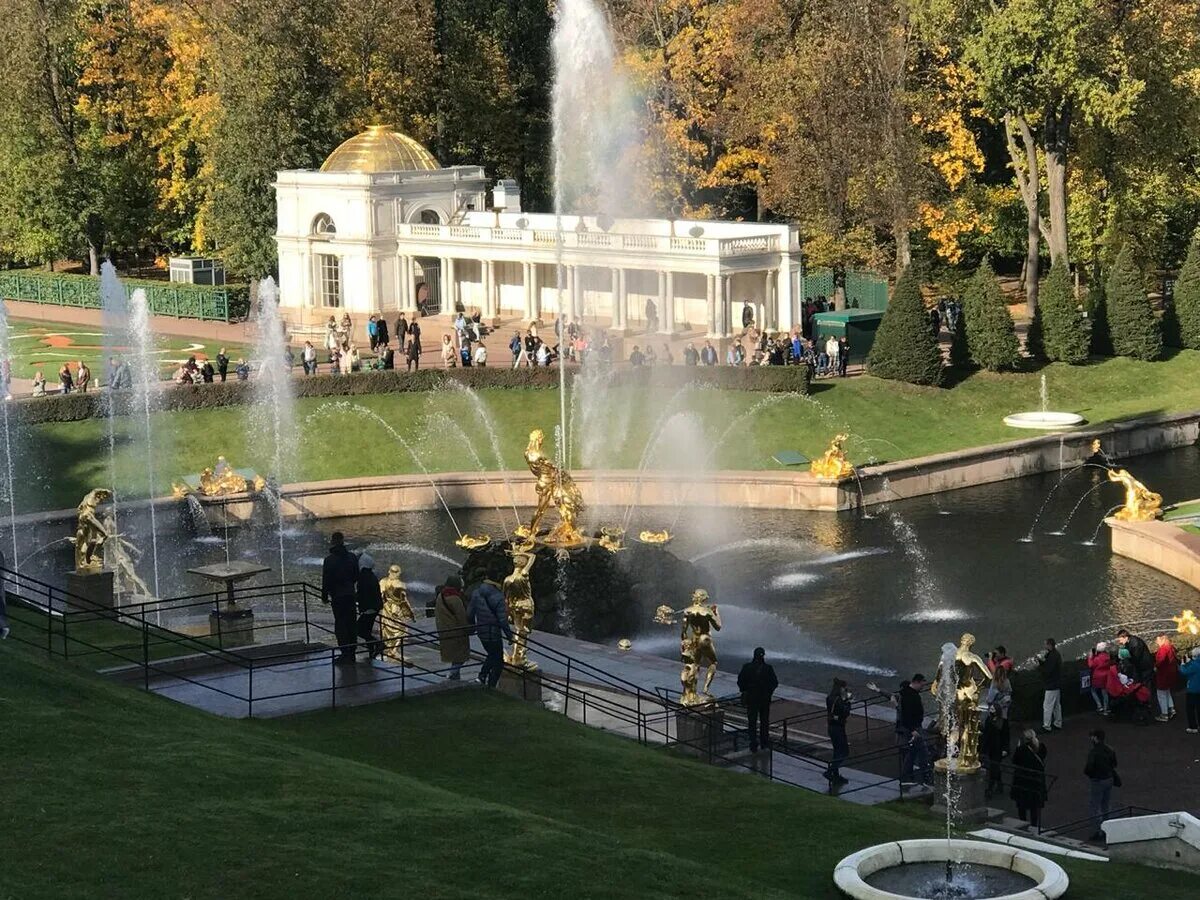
(93, 257)
(1056, 132)
(1025, 166)
(903, 246)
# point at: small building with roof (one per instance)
(383, 227)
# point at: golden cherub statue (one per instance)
(556, 488)
(971, 676)
(696, 648)
(90, 533)
(833, 464)
(1141, 503)
(396, 613)
(518, 597)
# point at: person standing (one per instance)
(1101, 770)
(1029, 778)
(843, 356)
(1191, 671)
(402, 330)
(516, 347)
(339, 584)
(489, 614)
(308, 357)
(223, 363)
(837, 708)
(636, 359)
(757, 682)
(373, 332)
(207, 372)
(834, 351)
(910, 732)
(65, 379)
(369, 603)
(1166, 673)
(1050, 668)
(453, 625)
(708, 354)
(414, 334)
(412, 356)
(381, 330)
(83, 377)
(1098, 663)
(479, 357)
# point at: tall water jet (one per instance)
(9, 481)
(143, 368)
(274, 408)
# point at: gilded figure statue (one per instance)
(612, 538)
(119, 555)
(833, 464)
(473, 541)
(1141, 503)
(397, 612)
(655, 537)
(556, 488)
(518, 597)
(696, 648)
(90, 533)
(972, 676)
(219, 481)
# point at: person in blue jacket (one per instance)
(1191, 671)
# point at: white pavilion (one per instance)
(383, 227)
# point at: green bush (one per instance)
(1187, 297)
(1131, 321)
(991, 336)
(76, 407)
(1063, 331)
(905, 348)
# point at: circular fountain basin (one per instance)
(1046, 421)
(1042, 879)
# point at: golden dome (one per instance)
(379, 149)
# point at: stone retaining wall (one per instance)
(1161, 546)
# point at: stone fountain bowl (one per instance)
(1047, 421)
(850, 875)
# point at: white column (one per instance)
(666, 309)
(623, 297)
(660, 302)
(713, 303)
(618, 310)
(535, 291)
(770, 310)
(527, 286)
(406, 283)
(489, 289)
(573, 304)
(726, 306)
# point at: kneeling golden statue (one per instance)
(833, 464)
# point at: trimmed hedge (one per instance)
(1063, 331)
(77, 407)
(1187, 297)
(1132, 324)
(991, 335)
(905, 347)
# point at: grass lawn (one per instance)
(34, 345)
(740, 430)
(111, 792)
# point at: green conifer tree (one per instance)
(1187, 297)
(1064, 332)
(905, 348)
(991, 336)
(1134, 328)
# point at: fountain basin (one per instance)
(1045, 421)
(1047, 877)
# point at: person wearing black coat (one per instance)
(757, 682)
(1139, 652)
(1029, 778)
(837, 707)
(402, 330)
(222, 365)
(381, 331)
(1050, 668)
(339, 584)
(370, 601)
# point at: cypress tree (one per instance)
(1064, 332)
(1187, 297)
(1098, 304)
(905, 348)
(991, 336)
(1134, 328)
(960, 352)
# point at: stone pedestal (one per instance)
(967, 796)
(523, 684)
(699, 731)
(94, 587)
(233, 626)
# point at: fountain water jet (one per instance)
(10, 481)
(144, 370)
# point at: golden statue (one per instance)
(395, 615)
(218, 481)
(655, 537)
(833, 464)
(473, 541)
(90, 533)
(518, 597)
(696, 648)
(554, 487)
(119, 555)
(1141, 503)
(972, 675)
(612, 538)
(1187, 623)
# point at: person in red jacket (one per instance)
(1166, 673)
(1099, 662)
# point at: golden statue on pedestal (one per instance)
(518, 597)
(220, 481)
(971, 676)
(555, 487)
(395, 615)
(1141, 503)
(696, 648)
(833, 464)
(90, 533)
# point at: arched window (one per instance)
(430, 217)
(323, 226)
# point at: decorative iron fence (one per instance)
(864, 290)
(209, 303)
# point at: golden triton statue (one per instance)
(1141, 503)
(518, 597)
(556, 488)
(972, 676)
(395, 615)
(119, 555)
(90, 533)
(696, 648)
(833, 463)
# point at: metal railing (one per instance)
(219, 303)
